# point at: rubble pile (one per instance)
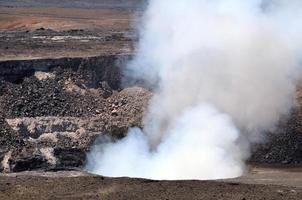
(49, 119)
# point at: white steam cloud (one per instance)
(223, 72)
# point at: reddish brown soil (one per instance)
(64, 32)
(64, 18)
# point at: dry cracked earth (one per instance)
(61, 74)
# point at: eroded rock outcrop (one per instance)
(52, 115)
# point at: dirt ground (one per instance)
(88, 4)
(65, 18)
(65, 32)
(281, 184)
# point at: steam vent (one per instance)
(150, 99)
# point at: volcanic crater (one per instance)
(61, 89)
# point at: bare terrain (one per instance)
(115, 4)
(64, 32)
(259, 184)
(61, 86)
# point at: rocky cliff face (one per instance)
(52, 110)
(102, 68)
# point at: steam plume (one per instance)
(223, 72)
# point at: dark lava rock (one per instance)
(23, 95)
(67, 158)
(28, 163)
(51, 111)
(284, 146)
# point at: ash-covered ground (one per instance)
(61, 87)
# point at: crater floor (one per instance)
(259, 183)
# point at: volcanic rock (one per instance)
(50, 118)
